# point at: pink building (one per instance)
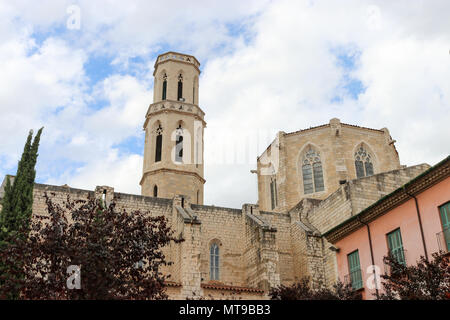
(410, 222)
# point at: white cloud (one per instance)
(281, 74)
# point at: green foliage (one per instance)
(18, 197)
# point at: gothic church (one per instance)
(309, 181)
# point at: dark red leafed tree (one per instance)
(427, 280)
(303, 290)
(118, 254)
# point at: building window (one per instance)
(179, 144)
(155, 191)
(396, 246)
(198, 147)
(180, 87)
(158, 149)
(363, 163)
(214, 261)
(198, 196)
(445, 220)
(164, 87)
(273, 192)
(312, 172)
(354, 270)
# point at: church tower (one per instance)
(174, 125)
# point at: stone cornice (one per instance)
(185, 58)
(199, 118)
(173, 171)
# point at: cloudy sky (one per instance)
(266, 66)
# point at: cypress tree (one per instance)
(17, 204)
(6, 207)
(18, 198)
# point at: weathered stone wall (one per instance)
(282, 222)
(222, 226)
(199, 225)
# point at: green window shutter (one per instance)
(445, 219)
(354, 269)
(396, 246)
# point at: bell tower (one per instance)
(174, 125)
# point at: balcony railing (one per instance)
(399, 255)
(443, 239)
(354, 279)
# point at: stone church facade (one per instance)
(309, 181)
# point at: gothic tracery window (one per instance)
(312, 172)
(363, 163)
(214, 261)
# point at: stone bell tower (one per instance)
(174, 125)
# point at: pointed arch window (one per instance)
(155, 191)
(198, 147)
(164, 87)
(179, 144)
(312, 172)
(273, 192)
(180, 87)
(158, 149)
(363, 163)
(214, 261)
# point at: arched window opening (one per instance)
(273, 192)
(180, 87)
(214, 261)
(198, 147)
(198, 196)
(179, 144)
(155, 191)
(158, 149)
(312, 172)
(164, 87)
(363, 163)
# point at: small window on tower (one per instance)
(180, 87)
(158, 149)
(155, 191)
(179, 145)
(164, 88)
